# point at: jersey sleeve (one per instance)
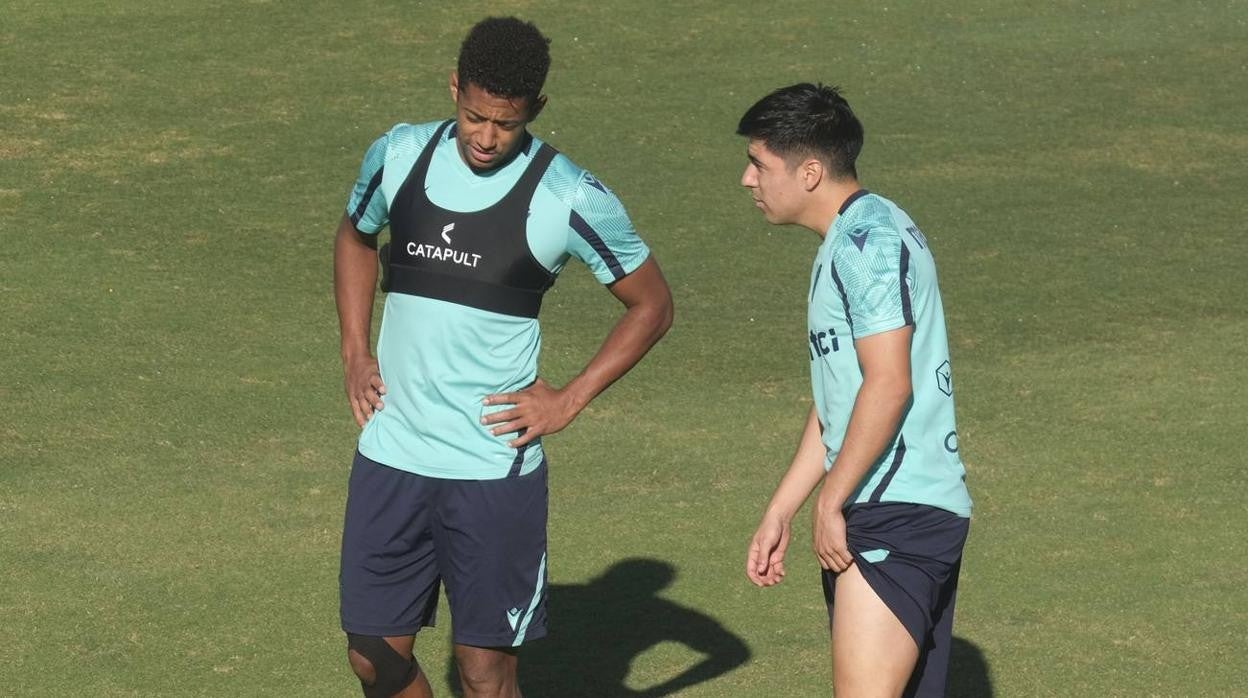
(874, 271)
(367, 205)
(600, 233)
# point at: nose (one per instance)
(749, 178)
(487, 137)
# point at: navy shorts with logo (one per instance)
(484, 540)
(910, 554)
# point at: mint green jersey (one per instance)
(874, 273)
(438, 358)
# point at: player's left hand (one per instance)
(537, 410)
(828, 528)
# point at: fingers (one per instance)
(833, 558)
(364, 391)
(527, 435)
(844, 559)
(764, 563)
(753, 568)
(502, 399)
(500, 416)
(374, 382)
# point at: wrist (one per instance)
(576, 395)
(778, 514)
(353, 354)
(831, 496)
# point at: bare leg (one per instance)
(403, 645)
(487, 672)
(873, 654)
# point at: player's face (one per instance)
(489, 129)
(777, 188)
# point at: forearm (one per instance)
(877, 413)
(355, 278)
(641, 326)
(804, 472)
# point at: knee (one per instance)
(486, 672)
(363, 668)
(382, 671)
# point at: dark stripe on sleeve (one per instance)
(892, 470)
(588, 235)
(368, 196)
(906, 313)
(836, 278)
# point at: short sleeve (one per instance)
(600, 233)
(873, 267)
(367, 205)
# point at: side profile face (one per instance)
(489, 129)
(778, 188)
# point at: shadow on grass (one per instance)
(968, 671)
(599, 628)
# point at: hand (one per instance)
(538, 410)
(362, 379)
(828, 528)
(764, 564)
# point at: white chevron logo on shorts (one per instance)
(513, 617)
(446, 229)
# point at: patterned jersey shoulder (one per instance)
(600, 232)
(869, 259)
(871, 215)
(408, 139)
(366, 206)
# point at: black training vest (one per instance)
(480, 259)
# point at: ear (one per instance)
(812, 173)
(454, 85)
(536, 107)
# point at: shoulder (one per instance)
(868, 225)
(407, 139)
(576, 187)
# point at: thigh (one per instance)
(873, 654)
(388, 578)
(491, 543)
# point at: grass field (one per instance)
(174, 443)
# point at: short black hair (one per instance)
(506, 57)
(807, 120)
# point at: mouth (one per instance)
(480, 155)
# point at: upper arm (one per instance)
(349, 234)
(366, 207)
(645, 286)
(877, 277)
(885, 357)
(601, 235)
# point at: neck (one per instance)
(822, 212)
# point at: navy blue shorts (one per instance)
(484, 540)
(910, 554)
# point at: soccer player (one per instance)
(448, 484)
(892, 510)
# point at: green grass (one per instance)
(174, 446)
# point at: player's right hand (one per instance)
(764, 564)
(362, 380)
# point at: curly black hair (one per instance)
(505, 56)
(805, 120)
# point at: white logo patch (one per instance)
(513, 617)
(446, 229)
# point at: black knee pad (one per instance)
(392, 672)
